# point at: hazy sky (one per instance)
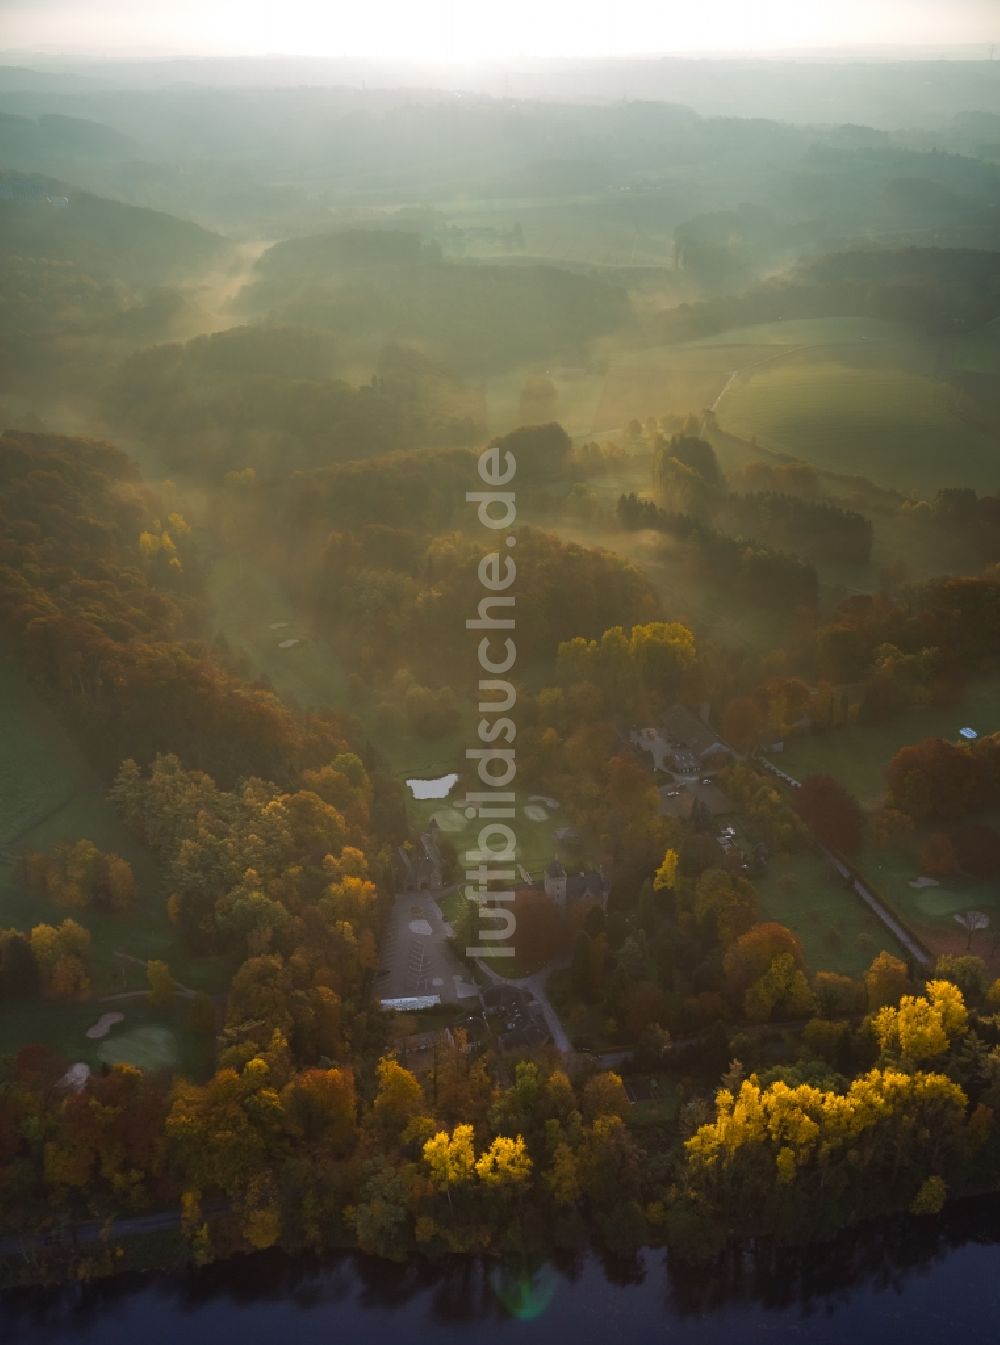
(463, 29)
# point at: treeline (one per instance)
(104, 237)
(926, 635)
(266, 398)
(394, 593)
(781, 502)
(935, 289)
(746, 566)
(819, 529)
(49, 960)
(936, 780)
(964, 515)
(378, 285)
(99, 603)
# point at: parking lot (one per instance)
(416, 956)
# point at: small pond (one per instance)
(433, 789)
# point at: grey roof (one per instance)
(684, 726)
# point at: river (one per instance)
(910, 1281)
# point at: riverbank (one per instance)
(903, 1279)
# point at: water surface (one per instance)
(912, 1282)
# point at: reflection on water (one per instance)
(524, 1294)
(894, 1281)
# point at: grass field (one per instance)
(833, 331)
(930, 911)
(838, 931)
(978, 351)
(62, 799)
(894, 426)
(858, 756)
(535, 827)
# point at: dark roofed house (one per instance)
(508, 997)
(685, 729)
(567, 889)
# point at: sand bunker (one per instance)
(104, 1025)
(277, 625)
(923, 881)
(534, 812)
(449, 819)
(76, 1077)
(288, 644)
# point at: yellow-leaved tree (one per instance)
(923, 1026)
(666, 874)
(451, 1159)
(505, 1163)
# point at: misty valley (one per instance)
(500, 681)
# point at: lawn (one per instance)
(655, 1101)
(837, 930)
(151, 1038)
(930, 911)
(534, 825)
(857, 756)
(890, 425)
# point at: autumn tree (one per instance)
(505, 1163)
(937, 855)
(161, 983)
(450, 1159)
(666, 874)
(399, 1099)
(728, 901)
(742, 723)
(922, 1027)
(886, 980)
(540, 930)
(832, 813)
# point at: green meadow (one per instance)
(838, 931)
(895, 426)
(858, 755)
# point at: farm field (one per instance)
(886, 424)
(838, 931)
(857, 756)
(65, 800)
(829, 331)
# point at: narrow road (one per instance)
(71, 1235)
